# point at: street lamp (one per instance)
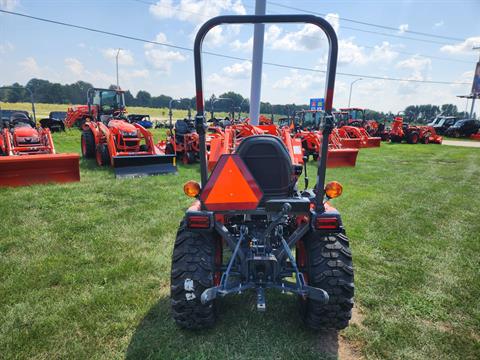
(351, 85)
(116, 57)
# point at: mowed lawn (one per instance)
(85, 267)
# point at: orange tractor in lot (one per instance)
(108, 137)
(354, 125)
(27, 152)
(306, 128)
(412, 134)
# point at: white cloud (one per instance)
(402, 28)
(74, 65)
(351, 53)
(136, 74)
(309, 37)
(463, 47)
(238, 70)
(300, 81)
(162, 60)
(195, 11)
(30, 66)
(9, 4)
(6, 47)
(439, 24)
(418, 65)
(125, 57)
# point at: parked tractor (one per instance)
(306, 128)
(412, 134)
(27, 152)
(251, 229)
(55, 121)
(140, 119)
(108, 137)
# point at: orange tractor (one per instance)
(412, 134)
(250, 229)
(108, 137)
(306, 128)
(27, 152)
(354, 125)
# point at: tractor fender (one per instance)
(330, 214)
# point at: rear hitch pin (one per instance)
(261, 299)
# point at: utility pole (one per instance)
(116, 57)
(257, 60)
(351, 86)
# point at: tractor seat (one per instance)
(267, 158)
(182, 127)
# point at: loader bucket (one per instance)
(24, 170)
(341, 158)
(143, 165)
(373, 142)
(351, 143)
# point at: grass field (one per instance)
(84, 267)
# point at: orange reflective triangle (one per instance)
(231, 186)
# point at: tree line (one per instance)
(45, 91)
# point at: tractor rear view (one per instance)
(250, 205)
(108, 137)
(27, 152)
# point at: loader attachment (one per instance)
(143, 165)
(24, 170)
(341, 158)
(351, 143)
(373, 142)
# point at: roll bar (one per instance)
(330, 83)
(31, 98)
(170, 107)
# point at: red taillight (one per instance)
(198, 222)
(330, 223)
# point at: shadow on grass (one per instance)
(240, 332)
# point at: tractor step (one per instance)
(144, 165)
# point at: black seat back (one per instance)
(268, 160)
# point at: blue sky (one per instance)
(35, 49)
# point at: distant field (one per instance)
(85, 267)
(42, 110)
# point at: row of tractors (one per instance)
(122, 141)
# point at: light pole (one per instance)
(351, 86)
(116, 57)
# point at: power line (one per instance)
(370, 24)
(146, 2)
(217, 54)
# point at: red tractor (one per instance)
(306, 128)
(412, 134)
(250, 228)
(108, 137)
(357, 117)
(27, 152)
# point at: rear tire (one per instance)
(412, 138)
(88, 144)
(395, 139)
(329, 267)
(193, 267)
(105, 155)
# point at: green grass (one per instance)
(84, 267)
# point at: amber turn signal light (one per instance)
(191, 188)
(333, 189)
